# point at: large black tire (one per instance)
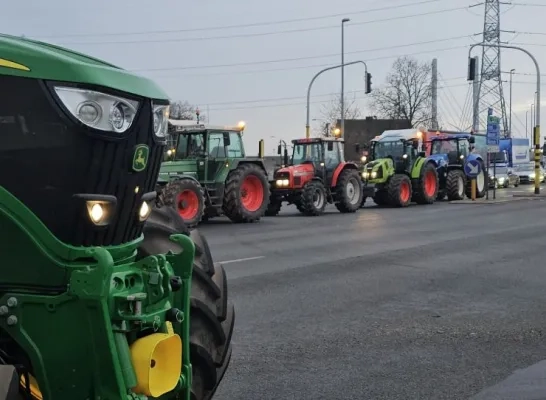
(455, 185)
(399, 190)
(425, 188)
(381, 198)
(233, 206)
(274, 206)
(186, 197)
(348, 191)
(479, 193)
(313, 199)
(211, 316)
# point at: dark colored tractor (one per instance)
(103, 294)
(317, 174)
(450, 152)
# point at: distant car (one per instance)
(503, 177)
(526, 172)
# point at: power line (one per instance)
(281, 60)
(325, 27)
(250, 25)
(529, 4)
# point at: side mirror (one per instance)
(285, 157)
(330, 146)
(422, 154)
(279, 149)
(227, 140)
(472, 140)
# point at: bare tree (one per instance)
(331, 112)
(406, 94)
(184, 110)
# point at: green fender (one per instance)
(417, 167)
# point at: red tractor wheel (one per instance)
(399, 191)
(427, 185)
(186, 197)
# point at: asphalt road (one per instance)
(430, 302)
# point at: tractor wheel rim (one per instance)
(353, 191)
(318, 199)
(480, 181)
(404, 192)
(188, 204)
(460, 186)
(430, 183)
(252, 193)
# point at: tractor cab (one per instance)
(452, 149)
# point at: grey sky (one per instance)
(231, 93)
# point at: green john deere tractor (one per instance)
(104, 295)
(399, 170)
(207, 174)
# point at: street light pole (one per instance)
(526, 124)
(536, 130)
(308, 113)
(510, 129)
(343, 75)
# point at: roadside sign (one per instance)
(472, 168)
(493, 134)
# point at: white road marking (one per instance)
(241, 260)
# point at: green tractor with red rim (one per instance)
(104, 293)
(399, 170)
(206, 174)
(316, 175)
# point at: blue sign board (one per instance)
(493, 132)
(472, 168)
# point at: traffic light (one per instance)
(368, 82)
(471, 69)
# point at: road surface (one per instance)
(430, 302)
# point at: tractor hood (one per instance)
(170, 169)
(296, 170)
(34, 59)
(439, 159)
(378, 171)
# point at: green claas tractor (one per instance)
(207, 174)
(104, 294)
(399, 169)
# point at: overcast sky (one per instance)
(270, 94)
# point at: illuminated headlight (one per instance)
(99, 212)
(501, 179)
(373, 175)
(282, 182)
(161, 120)
(461, 157)
(363, 158)
(365, 175)
(532, 175)
(99, 110)
(144, 211)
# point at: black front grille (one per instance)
(46, 158)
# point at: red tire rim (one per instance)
(430, 183)
(188, 204)
(252, 193)
(405, 192)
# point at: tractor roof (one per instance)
(317, 140)
(188, 126)
(448, 135)
(397, 134)
(33, 59)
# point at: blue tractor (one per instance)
(450, 152)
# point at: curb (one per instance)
(498, 201)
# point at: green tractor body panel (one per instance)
(76, 298)
(381, 169)
(33, 59)
(174, 169)
(417, 166)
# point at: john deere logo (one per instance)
(140, 158)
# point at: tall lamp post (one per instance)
(510, 123)
(343, 21)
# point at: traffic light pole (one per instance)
(308, 113)
(536, 130)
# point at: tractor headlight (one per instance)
(161, 120)
(99, 110)
(282, 182)
(373, 175)
(365, 175)
(363, 158)
(461, 157)
(99, 211)
(144, 211)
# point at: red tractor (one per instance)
(317, 174)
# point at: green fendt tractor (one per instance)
(399, 169)
(103, 295)
(207, 174)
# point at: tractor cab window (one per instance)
(443, 146)
(332, 157)
(215, 146)
(225, 144)
(235, 148)
(190, 145)
(464, 147)
(306, 152)
(395, 148)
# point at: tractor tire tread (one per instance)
(171, 190)
(307, 204)
(452, 184)
(393, 190)
(343, 203)
(212, 317)
(419, 194)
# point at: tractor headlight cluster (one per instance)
(282, 182)
(161, 119)
(363, 158)
(369, 175)
(100, 211)
(144, 211)
(99, 110)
